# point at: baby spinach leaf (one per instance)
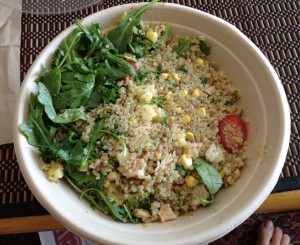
(209, 175)
(210, 200)
(183, 46)
(121, 36)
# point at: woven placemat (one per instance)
(273, 25)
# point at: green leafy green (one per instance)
(209, 175)
(182, 68)
(183, 46)
(166, 34)
(205, 47)
(52, 81)
(76, 92)
(121, 36)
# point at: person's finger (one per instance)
(276, 237)
(285, 240)
(265, 233)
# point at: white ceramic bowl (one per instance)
(264, 103)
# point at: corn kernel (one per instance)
(152, 36)
(191, 181)
(176, 77)
(202, 112)
(190, 136)
(199, 61)
(165, 75)
(183, 93)
(107, 184)
(186, 162)
(186, 119)
(196, 93)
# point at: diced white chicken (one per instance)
(147, 112)
(141, 213)
(137, 171)
(166, 213)
(214, 154)
(147, 96)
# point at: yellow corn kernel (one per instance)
(202, 112)
(199, 61)
(190, 136)
(152, 36)
(183, 93)
(186, 119)
(165, 75)
(186, 162)
(107, 184)
(176, 77)
(196, 93)
(191, 181)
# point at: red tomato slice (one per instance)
(232, 132)
(134, 67)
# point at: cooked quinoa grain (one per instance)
(163, 119)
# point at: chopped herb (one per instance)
(182, 68)
(183, 46)
(205, 47)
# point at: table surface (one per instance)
(273, 26)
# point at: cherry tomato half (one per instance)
(232, 132)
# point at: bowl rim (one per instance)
(226, 226)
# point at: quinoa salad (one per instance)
(141, 125)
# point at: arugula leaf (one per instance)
(67, 48)
(183, 46)
(52, 81)
(121, 36)
(209, 175)
(69, 115)
(117, 67)
(94, 135)
(75, 93)
(45, 99)
(34, 129)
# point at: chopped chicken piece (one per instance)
(166, 213)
